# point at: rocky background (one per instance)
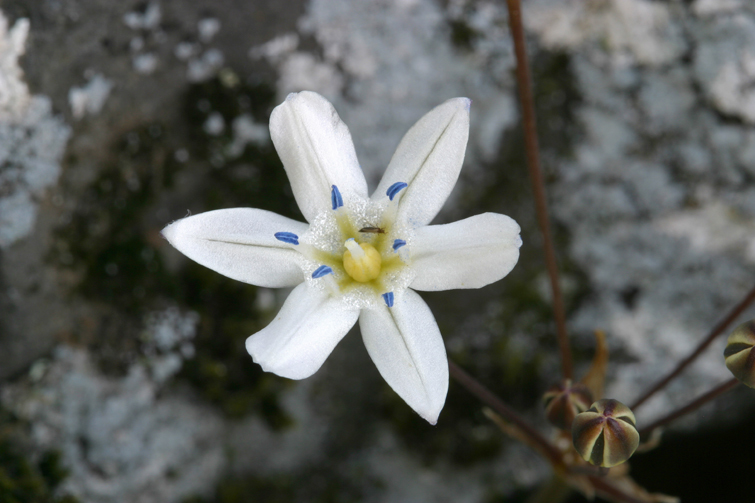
(123, 371)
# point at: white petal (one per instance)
(317, 152)
(240, 243)
(470, 253)
(305, 331)
(429, 159)
(405, 343)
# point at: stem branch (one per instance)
(690, 407)
(715, 332)
(491, 400)
(605, 488)
(602, 486)
(536, 177)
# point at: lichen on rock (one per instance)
(32, 140)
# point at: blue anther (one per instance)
(335, 197)
(321, 271)
(287, 237)
(398, 243)
(388, 298)
(395, 189)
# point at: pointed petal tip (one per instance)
(305, 95)
(428, 411)
(169, 231)
(431, 418)
(467, 103)
(267, 366)
(461, 102)
(302, 335)
(429, 158)
(316, 150)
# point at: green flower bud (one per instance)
(564, 401)
(740, 359)
(605, 435)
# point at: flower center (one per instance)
(361, 261)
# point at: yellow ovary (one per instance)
(361, 261)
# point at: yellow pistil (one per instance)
(361, 261)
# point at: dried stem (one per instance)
(491, 400)
(690, 407)
(594, 474)
(536, 177)
(715, 332)
(610, 492)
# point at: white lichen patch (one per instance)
(640, 30)
(713, 229)
(214, 125)
(208, 28)
(712, 7)
(119, 441)
(205, 66)
(146, 63)
(383, 64)
(90, 98)
(656, 199)
(167, 341)
(32, 140)
(246, 131)
(725, 65)
(149, 19)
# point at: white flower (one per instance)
(359, 258)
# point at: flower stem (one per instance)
(536, 177)
(690, 407)
(491, 400)
(612, 493)
(544, 446)
(715, 332)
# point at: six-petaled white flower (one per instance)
(360, 257)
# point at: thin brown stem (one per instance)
(715, 332)
(491, 400)
(595, 474)
(690, 407)
(610, 492)
(536, 177)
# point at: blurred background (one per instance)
(123, 373)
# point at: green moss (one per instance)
(222, 370)
(462, 35)
(113, 244)
(256, 177)
(309, 485)
(462, 436)
(251, 490)
(108, 241)
(23, 479)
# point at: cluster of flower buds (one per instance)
(564, 401)
(605, 435)
(740, 359)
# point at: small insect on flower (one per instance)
(372, 230)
